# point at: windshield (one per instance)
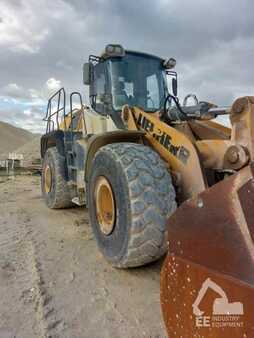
(138, 80)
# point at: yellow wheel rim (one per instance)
(48, 179)
(105, 205)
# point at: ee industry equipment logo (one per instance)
(224, 313)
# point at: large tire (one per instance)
(57, 193)
(144, 199)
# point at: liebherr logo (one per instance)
(164, 139)
(224, 313)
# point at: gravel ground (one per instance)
(55, 283)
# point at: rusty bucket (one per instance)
(207, 280)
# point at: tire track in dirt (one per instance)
(20, 266)
(47, 319)
(14, 275)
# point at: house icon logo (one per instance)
(221, 305)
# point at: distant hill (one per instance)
(12, 138)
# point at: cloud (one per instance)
(26, 108)
(28, 118)
(51, 86)
(14, 91)
(17, 92)
(21, 30)
(47, 40)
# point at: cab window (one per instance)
(99, 88)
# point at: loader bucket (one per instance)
(207, 280)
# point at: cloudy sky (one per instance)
(43, 44)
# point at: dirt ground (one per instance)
(55, 283)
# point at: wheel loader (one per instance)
(160, 177)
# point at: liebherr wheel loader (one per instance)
(160, 177)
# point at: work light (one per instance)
(169, 63)
(114, 50)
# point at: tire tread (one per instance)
(62, 198)
(152, 201)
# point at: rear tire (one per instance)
(144, 198)
(55, 189)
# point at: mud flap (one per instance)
(207, 280)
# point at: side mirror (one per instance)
(174, 86)
(87, 73)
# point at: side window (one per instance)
(99, 88)
(153, 100)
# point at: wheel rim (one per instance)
(48, 179)
(105, 205)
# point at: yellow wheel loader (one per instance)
(161, 177)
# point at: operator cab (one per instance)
(119, 77)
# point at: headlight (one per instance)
(169, 63)
(114, 51)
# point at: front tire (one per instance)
(54, 186)
(133, 231)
